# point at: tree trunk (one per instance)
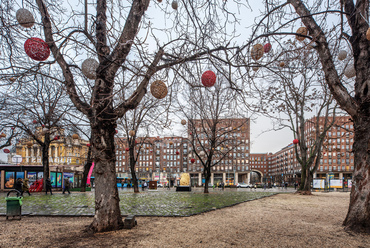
(358, 216)
(207, 176)
(132, 166)
(107, 211)
(86, 170)
(45, 159)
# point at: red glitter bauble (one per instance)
(192, 160)
(37, 49)
(295, 141)
(127, 149)
(6, 151)
(177, 153)
(267, 47)
(208, 78)
(88, 145)
(34, 121)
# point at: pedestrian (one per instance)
(286, 185)
(223, 186)
(18, 186)
(264, 186)
(295, 185)
(66, 185)
(26, 187)
(48, 186)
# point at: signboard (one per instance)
(349, 183)
(17, 159)
(331, 175)
(336, 183)
(53, 176)
(318, 183)
(9, 180)
(69, 175)
(59, 179)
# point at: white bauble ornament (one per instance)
(342, 55)
(350, 71)
(89, 67)
(25, 18)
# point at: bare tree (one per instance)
(118, 35)
(38, 108)
(349, 32)
(213, 122)
(291, 91)
(148, 117)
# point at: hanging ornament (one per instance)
(342, 55)
(12, 128)
(29, 143)
(159, 1)
(37, 49)
(56, 138)
(89, 67)
(12, 79)
(202, 153)
(295, 141)
(127, 149)
(25, 18)
(255, 68)
(75, 136)
(131, 133)
(302, 31)
(158, 89)
(45, 129)
(6, 150)
(183, 122)
(208, 78)
(282, 64)
(177, 152)
(175, 5)
(350, 71)
(171, 143)
(116, 131)
(368, 34)
(192, 160)
(2, 135)
(267, 47)
(34, 122)
(257, 52)
(88, 145)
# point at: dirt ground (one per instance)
(285, 220)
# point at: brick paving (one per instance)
(162, 202)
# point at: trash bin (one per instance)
(14, 204)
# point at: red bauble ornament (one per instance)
(6, 150)
(43, 125)
(12, 128)
(37, 49)
(192, 160)
(116, 131)
(34, 122)
(208, 78)
(177, 153)
(267, 47)
(295, 141)
(191, 133)
(56, 138)
(127, 149)
(88, 145)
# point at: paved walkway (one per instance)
(162, 202)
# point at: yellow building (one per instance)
(64, 151)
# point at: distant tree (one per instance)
(293, 95)
(211, 132)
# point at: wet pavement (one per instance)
(161, 202)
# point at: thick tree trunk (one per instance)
(87, 167)
(358, 216)
(107, 211)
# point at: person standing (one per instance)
(48, 186)
(19, 186)
(26, 187)
(66, 186)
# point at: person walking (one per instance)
(66, 185)
(26, 187)
(48, 186)
(19, 186)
